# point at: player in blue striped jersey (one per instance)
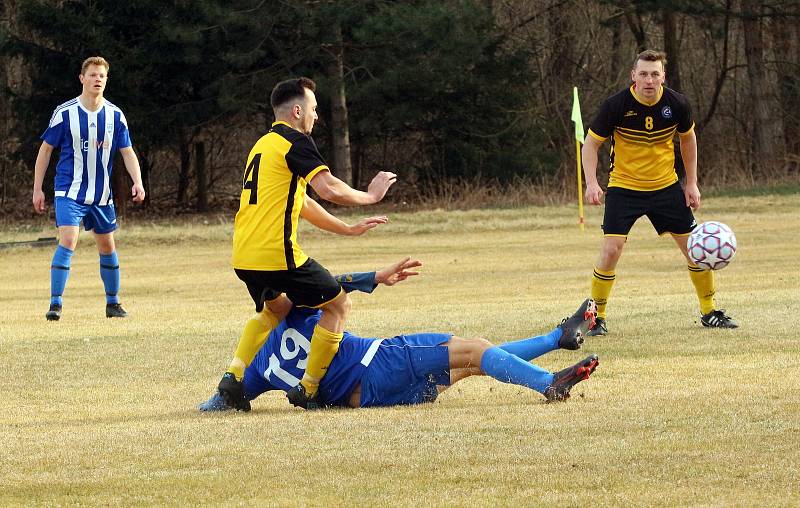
(88, 130)
(407, 369)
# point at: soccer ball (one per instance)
(712, 245)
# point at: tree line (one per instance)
(435, 90)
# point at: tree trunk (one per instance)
(671, 49)
(617, 62)
(183, 175)
(200, 172)
(15, 91)
(787, 49)
(340, 130)
(634, 20)
(764, 127)
(722, 75)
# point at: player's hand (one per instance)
(594, 194)
(692, 194)
(397, 272)
(365, 225)
(380, 184)
(137, 193)
(38, 201)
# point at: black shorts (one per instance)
(309, 285)
(666, 208)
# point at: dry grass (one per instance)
(100, 412)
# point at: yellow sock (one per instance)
(324, 345)
(253, 337)
(602, 282)
(703, 281)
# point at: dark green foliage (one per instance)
(437, 72)
(435, 89)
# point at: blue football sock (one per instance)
(508, 368)
(59, 273)
(109, 272)
(528, 349)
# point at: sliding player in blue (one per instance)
(408, 369)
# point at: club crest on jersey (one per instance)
(630, 113)
(666, 112)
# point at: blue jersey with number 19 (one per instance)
(88, 141)
(280, 363)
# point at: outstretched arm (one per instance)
(314, 213)
(336, 191)
(397, 272)
(367, 281)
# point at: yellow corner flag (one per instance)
(576, 116)
(579, 136)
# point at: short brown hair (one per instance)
(290, 89)
(94, 60)
(649, 55)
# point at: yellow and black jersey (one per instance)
(279, 167)
(642, 150)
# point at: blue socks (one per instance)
(509, 368)
(59, 273)
(109, 272)
(528, 349)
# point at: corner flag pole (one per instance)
(579, 135)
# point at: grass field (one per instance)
(101, 412)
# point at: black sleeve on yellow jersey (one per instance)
(303, 157)
(684, 116)
(607, 118)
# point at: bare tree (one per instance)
(340, 131)
(672, 48)
(764, 124)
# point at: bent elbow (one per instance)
(329, 194)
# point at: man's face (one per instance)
(647, 79)
(94, 79)
(308, 112)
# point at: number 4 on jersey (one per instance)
(252, 183)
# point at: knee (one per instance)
(105, 245)
(68, 243)
(68, 240)
(339, 307)
(278, 307)
(482, 344)
(343, 305)
(611, 252)
(478, 347)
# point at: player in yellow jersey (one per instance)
(266, 254)
(642, 121)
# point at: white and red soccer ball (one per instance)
(712, 245)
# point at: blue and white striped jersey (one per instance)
(88, 141)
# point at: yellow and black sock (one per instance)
(602, 282)
(253, 337)
(324, 345)
(703, 281)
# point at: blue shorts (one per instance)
(100, 219)
(406, 370)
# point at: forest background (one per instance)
(467, 100)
